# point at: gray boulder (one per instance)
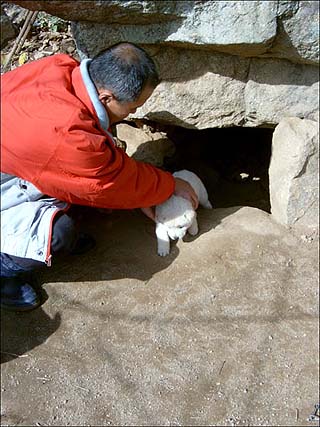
(112, 11)
(8, 30)
(219, 90)
(145, 146)
(294, 173)
(273, 28)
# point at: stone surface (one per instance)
(295, 39)
(294, 173)
(219, 25)
(15, 13)
(145, 146)
(8, 31)
(223, 332)
(112, 11)
(223, 63)
(277, 89)
(245, 28)
(239, 27)
(220, 90)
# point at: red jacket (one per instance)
(51, 136)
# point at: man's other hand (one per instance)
(149, 212)
(185, 190)
(182, 189)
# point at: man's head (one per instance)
(125, 77)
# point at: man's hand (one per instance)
(182, 189)
(149, 212)
(185, 190)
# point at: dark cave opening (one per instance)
(232, 162)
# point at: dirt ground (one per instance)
(224, 331)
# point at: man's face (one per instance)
(118, 111)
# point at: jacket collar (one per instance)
(86, 91)
(93, 94)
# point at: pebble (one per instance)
(244, 175)
(306, 238)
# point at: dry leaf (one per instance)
(4, 57)
(23, 58)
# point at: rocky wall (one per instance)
(223, 63)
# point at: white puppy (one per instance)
(176, 215)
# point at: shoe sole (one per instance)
(19, 309)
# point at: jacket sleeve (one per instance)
(88, 169)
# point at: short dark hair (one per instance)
(125, 69)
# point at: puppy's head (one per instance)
(177, 215)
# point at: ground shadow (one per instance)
(21, 332)
(126, 248)
(209, 219)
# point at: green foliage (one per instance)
(50, 23)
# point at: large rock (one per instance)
(255, 86)
(145, 146)
(294, 173)
(297, 31)
(219, 90)
(114, 11)
(8, 31)
(219, 25)
(276, 28)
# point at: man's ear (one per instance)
(106, 96)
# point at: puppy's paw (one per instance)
(193, 229)
(164, 253)
(163, 249)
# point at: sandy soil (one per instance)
(223, 331)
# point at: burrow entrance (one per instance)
(232, 162)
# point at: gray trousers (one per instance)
(63, 238)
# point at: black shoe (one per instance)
(18, 294)
(84, 243)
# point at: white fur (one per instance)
(176, 216)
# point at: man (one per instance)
(57, 150)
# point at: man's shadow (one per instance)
(210, 219)
(126, 248)
(21, 332)
(115, 257)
